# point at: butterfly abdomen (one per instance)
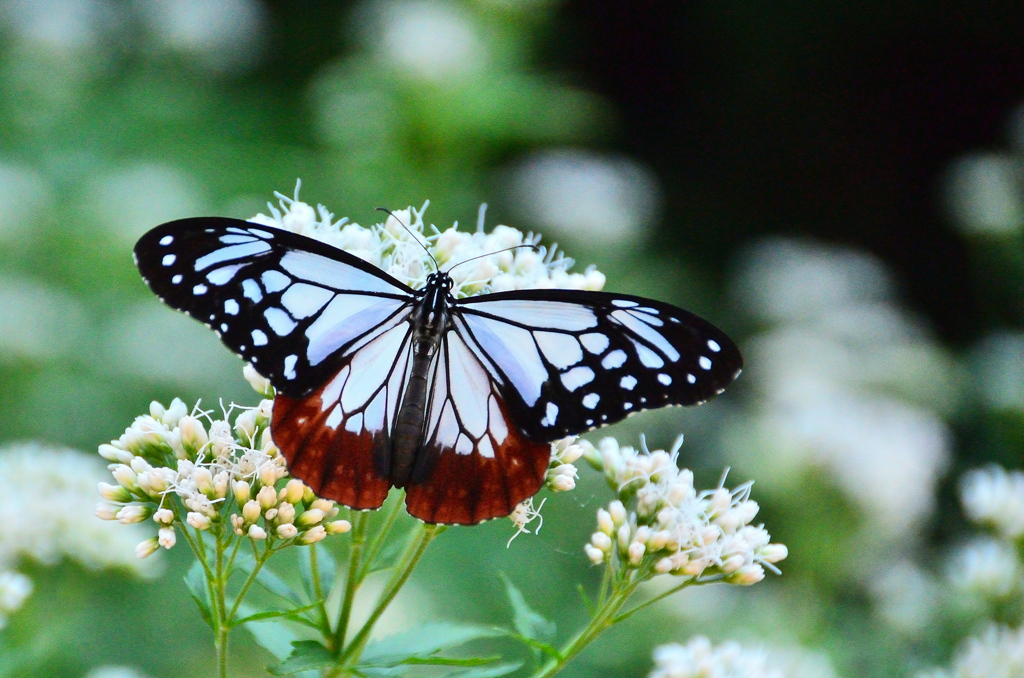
(430, 321)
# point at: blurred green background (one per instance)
(837, 185)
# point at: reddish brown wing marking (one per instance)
(469, 488)
(337, 464)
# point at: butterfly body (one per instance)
(455, 399)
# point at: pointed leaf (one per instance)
(306, 655)
(528, 621)
(492, 671)
(195, 582)
(422, 641)
(294, 615)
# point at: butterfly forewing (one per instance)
(570, 361)
(288, 304)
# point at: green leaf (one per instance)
(422, 642)
(546, 648)
(450, 661)
(325, 569)
(327, 565)
(306, 655)
(492, 671)
(195, 582)
(268, 580)
(529, 623)
(294, 615)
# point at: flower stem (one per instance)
(352, 581)
(410, 559)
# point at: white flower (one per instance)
(397, 247)
(524, 514)
(700, 659)
(993, 496)
(986, 566)
(14, 589)
(996, 653)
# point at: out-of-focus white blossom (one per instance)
(906, 597)
(995, 497)
(37, 321)
(394, 249)
(610, 200)
(430, 40)
(115, 672)
(986, 566)
(46, 510)
(998, 362)
(698, 658)
(661, 522)
(14, 589)
(847, 382)
(996, 653)
(984, 194)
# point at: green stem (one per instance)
(601, 622)
(220, 606)
(261, 559)
(410, 559)
(352, 581)
(629, 613)
(381, 538)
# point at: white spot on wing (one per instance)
(176, 279)
(251, 290)
(705, 362)
(168, 259)
(713, 345)
(289, 366)
(692, 379)
(279, 321)
(229, 253)
(464, 445)
(576, 377)
(628, 382)
(199, 290)
(166, 240)
(354, 423)
(623, 303)
(591, 400)
(647, 333)
(595, 343)
(259, 338)
(561, 350)
(616, 358)
(648, 357)
(275, 281)
(224, 274)
(496, 421)
(332, 392)
(485, 448)
(334, 418)
(665, 379)
(550, 415)
(231, 307)
(236, 239)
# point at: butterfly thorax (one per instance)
(430, 320)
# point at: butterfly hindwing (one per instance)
(337, 439)
(475, 463)
(288, 304)
(571, 361)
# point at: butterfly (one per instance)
(456, 400)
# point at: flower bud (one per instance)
(636, 553)
(134, 513)
(663, 566)
(325, 505)
(241, 490)
(292, 491)
(220, 485)
(732, 563)
(193, 434)
(601, 541)
(245, 426)
(166, 537)
(311, 536)
(164, 516)
(617, 512)
(115, 454)
(251, 511)
(259, 383)
(173, 414)
(624, 537)
(595, 554)
(267, 497)
(114, 493)
(147, 548)
(125, 477)
(604, 522)
(257, 532)
(285, 513)
(310, 518)
(201, 522)
(747, 575)
(773, 553)
(338, 527)
(287, 531)
(268, 475)
(107, 511)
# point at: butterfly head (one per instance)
(440, 280)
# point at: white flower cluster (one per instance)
(15, 588)
(995, 497)
(660, 524)
(400, 245)
(987, 566)
(700, 659)
(221, 474)
(996, 653)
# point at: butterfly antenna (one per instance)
(409, 231)
(481, 256)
